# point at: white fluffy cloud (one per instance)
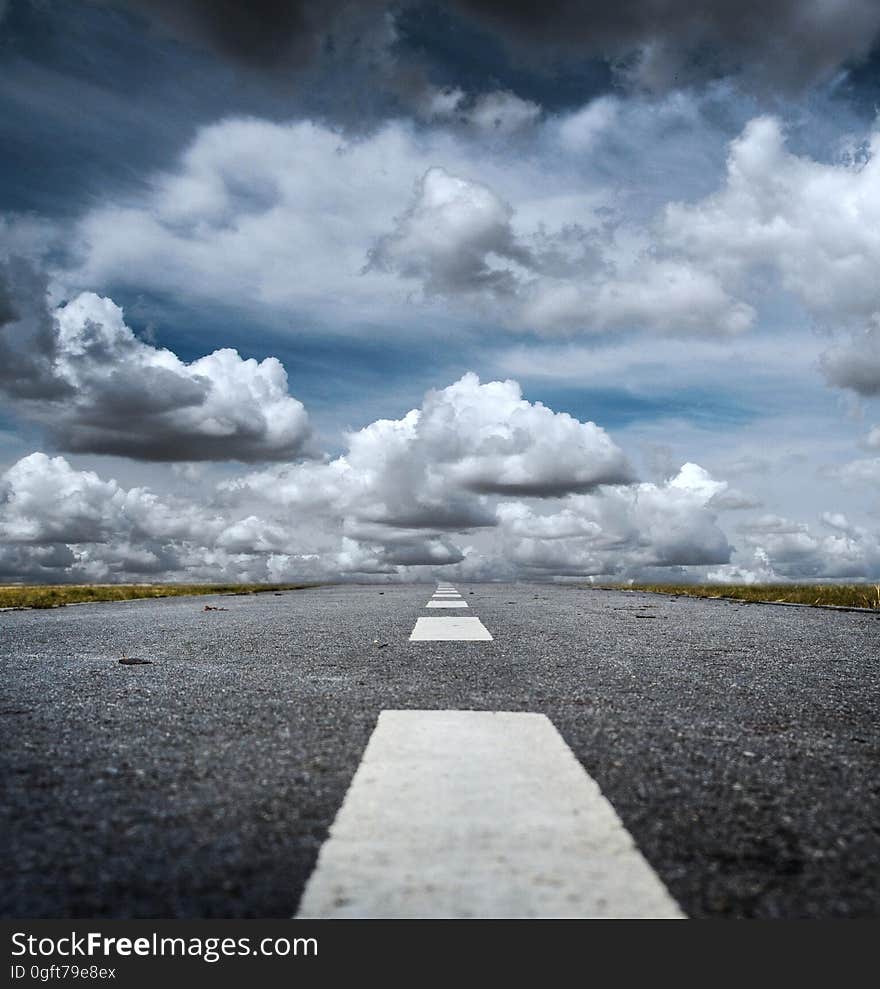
(404, 484)
(789, 550)
(622, 531)
(449, 238)
(816, 224)
(65, 524)
(477, 480)
(298, 218)
(476, 477)
(456, 239)
(301, 219)
(100, 389)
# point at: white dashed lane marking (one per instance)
(447, 604)
(450, 629)
(478, 814)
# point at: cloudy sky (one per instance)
(481, 289)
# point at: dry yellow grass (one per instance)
(817, 595)
(57, 595)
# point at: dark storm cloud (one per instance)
(787, 41)
(27, 335)
(455, 515)
(549, 489)
(423, 553)
(856, 365)
(265, 34)
(36, 563)
(790, 42)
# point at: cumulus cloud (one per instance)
(285, 217)
(457, 240)
(402, 496)
(816, 224)
(812, 225)
(98, 388)
(477, 481)
(449, 236)
(296, 218)
(276, 216)
(402, 485)
(623, 530)
(63, 524)
(792, 550)
(46, 500)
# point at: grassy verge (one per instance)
(841, 595)
(56, 595)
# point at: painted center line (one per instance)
(460, 814)
(447, 604)
(455, 629)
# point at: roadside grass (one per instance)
(839, 595)
(57, 595)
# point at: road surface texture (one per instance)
(738, 743)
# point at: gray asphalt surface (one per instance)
(739, 743)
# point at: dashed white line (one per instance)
(449, 629)
(477, 814)
(447, 604)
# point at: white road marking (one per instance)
(478, 814)
(446, 604)
(446, 594)
(457, 629)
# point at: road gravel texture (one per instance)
(739, 743)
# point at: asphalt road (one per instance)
(740, 744)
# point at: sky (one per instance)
(474, 290)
